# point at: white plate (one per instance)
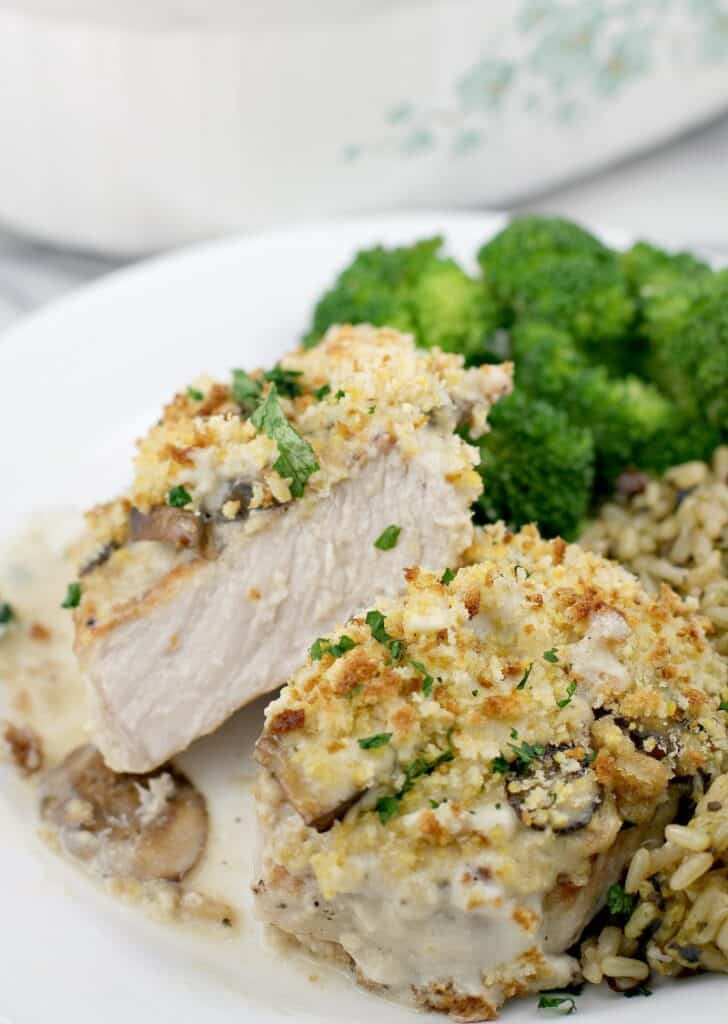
(79, 382)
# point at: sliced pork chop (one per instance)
(445, 799)
(244, 540)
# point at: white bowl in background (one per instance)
(136, 125)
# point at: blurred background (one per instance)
(128, 127)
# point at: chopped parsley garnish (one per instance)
(339, 395)
(591, 757)
(178, 497)
(524, 679)
(73, 596)
(570, 691)
(375, 621)
(434, 804)
(372, 409)
(428, 681)
(246, 391)
(474, 693)
(388, 538)
(195, 394)
(638, 990)
(387, 808)
(323, 646)
(296, 458)
(525, 753)
(619, 903)
(447, 577)
(723, 706)
(6, 613)
(284, 381)
(379, 739)
(564, 1004)
(518, 566)
(551, 656)
(322, 392)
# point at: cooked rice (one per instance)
(673, 530)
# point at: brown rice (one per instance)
(673, 530)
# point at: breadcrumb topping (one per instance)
(361, 390)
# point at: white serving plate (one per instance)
(134, 126)
(80, 381)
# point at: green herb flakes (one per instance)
(246, 391)
(195, 394)
(570, 691)
(447, 577)
(296, 458)
(375, 621)
(500, 766)
(73, 596)
(388, 538)
(339, 395)
(322, 392)
(336, 650)
(387, 808)
(284, 381)
(178, 497)
(723, 706)
(524, 679)
(551, 656)
(6, 613)
(564, 1004)
(619, 903)
(379, 739)
(428, 681)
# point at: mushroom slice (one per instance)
(125, 826)
(556, 792)
(169, 525)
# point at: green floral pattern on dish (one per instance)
(563, 61)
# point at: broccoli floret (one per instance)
(663, 283)
(683, 439)
(415, 289)
(536, 466)
(545, 268)
(623, 413)
(688, 350)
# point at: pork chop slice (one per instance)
(196, 605)
(444, 803)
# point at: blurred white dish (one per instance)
(128, 127)
(97, 366)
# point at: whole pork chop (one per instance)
(260, 516)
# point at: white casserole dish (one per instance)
(129, 127)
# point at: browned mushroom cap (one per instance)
(126, 826)
(557, 792)
(169, 525)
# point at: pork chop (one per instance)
(263, 515)
(444, 798)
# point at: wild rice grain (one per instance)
(638, 871)
(624, 967)
(689, 838)
(691, 869)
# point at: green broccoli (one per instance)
(623, 413)
(688, 349)
(536, 466)
(415, 289)
(545, 268)
(683, 439)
